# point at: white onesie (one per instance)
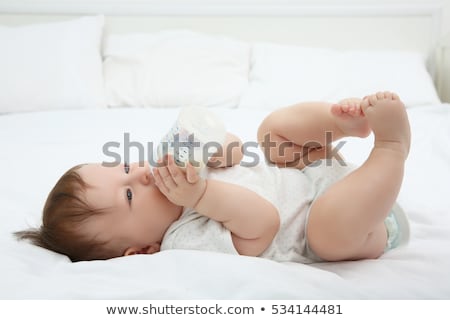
(290, 190)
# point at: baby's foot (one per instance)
(350, 118)
(388, 120)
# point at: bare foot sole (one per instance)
(387, 117)
(350, 118)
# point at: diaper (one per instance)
(397, 227)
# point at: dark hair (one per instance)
(63, 215)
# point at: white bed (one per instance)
(37, 146)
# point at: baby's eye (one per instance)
(129, 195)
(126, 167)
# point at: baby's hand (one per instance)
(183, 189)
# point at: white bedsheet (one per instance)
(36, 148)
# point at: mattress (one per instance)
(38, 147)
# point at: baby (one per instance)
(301, 208)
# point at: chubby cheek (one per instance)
(146, 207)
(157, 197)
(162, 208)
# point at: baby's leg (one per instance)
(296, 136)
(347, 221)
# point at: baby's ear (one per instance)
(153, 248)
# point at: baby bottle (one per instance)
(195, 136)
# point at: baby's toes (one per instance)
(336, 109)
(355, 109)
(372, 99)
(345, 107)
(365, 103)
(351, 109)
(388, 95)
(380, 95)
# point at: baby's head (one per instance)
(99, 212)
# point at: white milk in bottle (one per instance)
(196, 135)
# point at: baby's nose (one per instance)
(145, 175)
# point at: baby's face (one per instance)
(137, 213)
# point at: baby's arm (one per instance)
(252, 220)
(230, 154)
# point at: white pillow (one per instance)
(403, 72)
(282, 75)
(52, 66)
(174, 68)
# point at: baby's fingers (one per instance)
(166, 177)
(191, 175)
(176, 173)
(159, 182)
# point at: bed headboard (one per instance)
(413, 27)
